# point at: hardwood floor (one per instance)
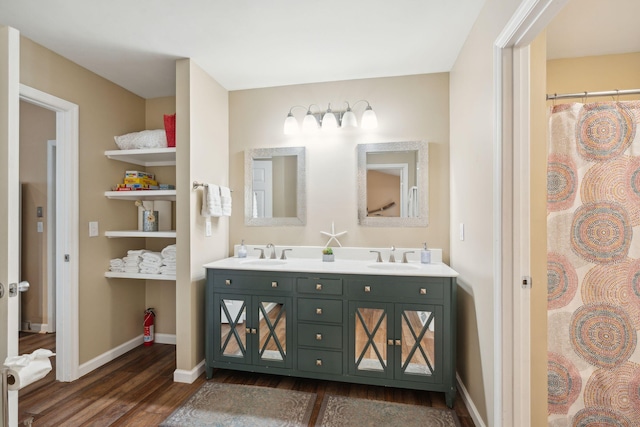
(137, 389)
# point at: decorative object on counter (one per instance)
(242, 251)
(170, 129)
(425, 254)
(156, 138)
(327, 255)
(330, 119)
(333, 235)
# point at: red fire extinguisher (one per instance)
(149, 315)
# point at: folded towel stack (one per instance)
(151, 263)
(116, 265)
(168, 260)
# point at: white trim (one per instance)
(512, 389)
(110, 355)
(52, 175)
(165, 339)
(468, 402)
(67, 229)
(188, 377)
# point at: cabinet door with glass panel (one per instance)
(254, 330)
(396, 341)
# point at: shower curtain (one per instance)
(593, 264)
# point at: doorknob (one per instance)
(23, 286)
(14, 288)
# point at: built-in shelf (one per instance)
(171, 234)
(145, 157)
(114, 275)
(142, 195)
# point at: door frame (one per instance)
(512, 343)
(52, 177)
(67, 229)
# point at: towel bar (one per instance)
(197, 185)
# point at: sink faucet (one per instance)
(273, 252)
(392, 258)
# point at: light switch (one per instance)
(39, 211)
(207, 228)
(461, 231)
(93, 229)
(39, 227)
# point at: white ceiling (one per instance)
(247, 43)
(594, 27)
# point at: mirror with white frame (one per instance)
(274, 186)
(393, 184)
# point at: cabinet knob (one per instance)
(398, 342)
(367, 288)
(389, 342)
(318, 362)
(318, 286)
(318, 311)
(319, 337)
(227, 282)
(423, 291)
(254, 331)
(274, 284)
(248, 330)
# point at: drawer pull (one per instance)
(367, 288)
(318, 287)
(318, 311)
(398, 342)
(274, 284)
(254, 331)
(423, 291)
(248, 330)
(318, 337)
(318, 362)
(227, 282)
(389, 342)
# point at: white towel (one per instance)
(116, 262)
(225, 198)
(254, 211)
(168, 251)
(211, 202)
(134, 252)
(169, 262)
(413, 209)
(152, 257)
(167, 270)
(145, 264)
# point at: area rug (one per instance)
(217, 404)
(347, 411)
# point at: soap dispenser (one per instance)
(242, 251)
(425, 254)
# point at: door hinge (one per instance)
(67, 258)
(526, 282)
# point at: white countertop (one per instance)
(339, 266)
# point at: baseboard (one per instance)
(35, 327)
(165, 338)
(188, 377)
(110, 355)
(471, 407)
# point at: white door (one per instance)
(263, 188)
(9, 202)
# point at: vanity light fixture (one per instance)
(330, 119)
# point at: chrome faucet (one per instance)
(379, 259)
(273, 252)
(392, 258)
(404, 256)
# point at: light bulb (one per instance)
(290, 125)
(329, 120)
(349, 119)
(309, 123)
(369, 119)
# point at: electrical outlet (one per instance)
(39, 227)
(93, 229)
(207, 228)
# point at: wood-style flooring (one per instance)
(137, 389)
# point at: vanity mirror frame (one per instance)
(422, 180)
(301, 201)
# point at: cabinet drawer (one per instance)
(320, 286)
(259, 283)
(320, 361)
(415, 290)
(320, 310)
(321, 336)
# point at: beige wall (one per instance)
(408, 108)
(538, 231)
(37, 126)
(472, 133)
(110, 311)
(160, 294)
(594, 73)
(202, 133)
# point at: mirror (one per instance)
(274, 187)
(393, 184)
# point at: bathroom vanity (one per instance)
(388, 324)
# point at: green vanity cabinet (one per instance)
(388, 330)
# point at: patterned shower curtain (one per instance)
(593, 264)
